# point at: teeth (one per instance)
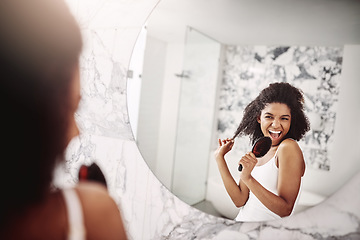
(277, 132)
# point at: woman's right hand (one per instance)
(225, 145)
(248, 161)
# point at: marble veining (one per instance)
(335, 218)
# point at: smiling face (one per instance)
(275, 121)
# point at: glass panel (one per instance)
(195, 116)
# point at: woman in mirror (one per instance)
(40, 45)
(269, 186)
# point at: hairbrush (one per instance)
(92, 173)
(260, 148)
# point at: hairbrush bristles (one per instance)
(260, 148)
(92, 173)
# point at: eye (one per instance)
(269, 117)
(285, 119)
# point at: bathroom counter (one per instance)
(337, 217)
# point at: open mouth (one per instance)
(275, 134)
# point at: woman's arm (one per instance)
(238, 193)
(291, 168)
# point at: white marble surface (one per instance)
(338, 217)
(149, 210)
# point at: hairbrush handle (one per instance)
(240, 166)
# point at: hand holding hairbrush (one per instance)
(260, 148)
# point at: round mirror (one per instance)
(197, 64)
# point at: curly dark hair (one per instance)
(40, 44)
(280, 92)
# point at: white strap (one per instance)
(75, 214)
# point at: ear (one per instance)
(258, 119)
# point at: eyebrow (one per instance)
(286, 115)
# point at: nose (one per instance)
(275, 123)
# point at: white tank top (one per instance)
(254, 210)
(75, 215)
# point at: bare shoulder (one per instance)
(91, 189)
(94, 197)
(102, 216)
(289, 146)
(290, 155)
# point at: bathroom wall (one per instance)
(344, 155)
(149, 210)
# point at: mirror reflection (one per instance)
(195, 67)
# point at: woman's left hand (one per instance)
(248, 162)
(224, 147)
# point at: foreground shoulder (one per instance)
(91, 188)
(95, 196)
(95, 200)
(101, 214)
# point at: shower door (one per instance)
(195, 117)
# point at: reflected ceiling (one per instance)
(310, 22)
